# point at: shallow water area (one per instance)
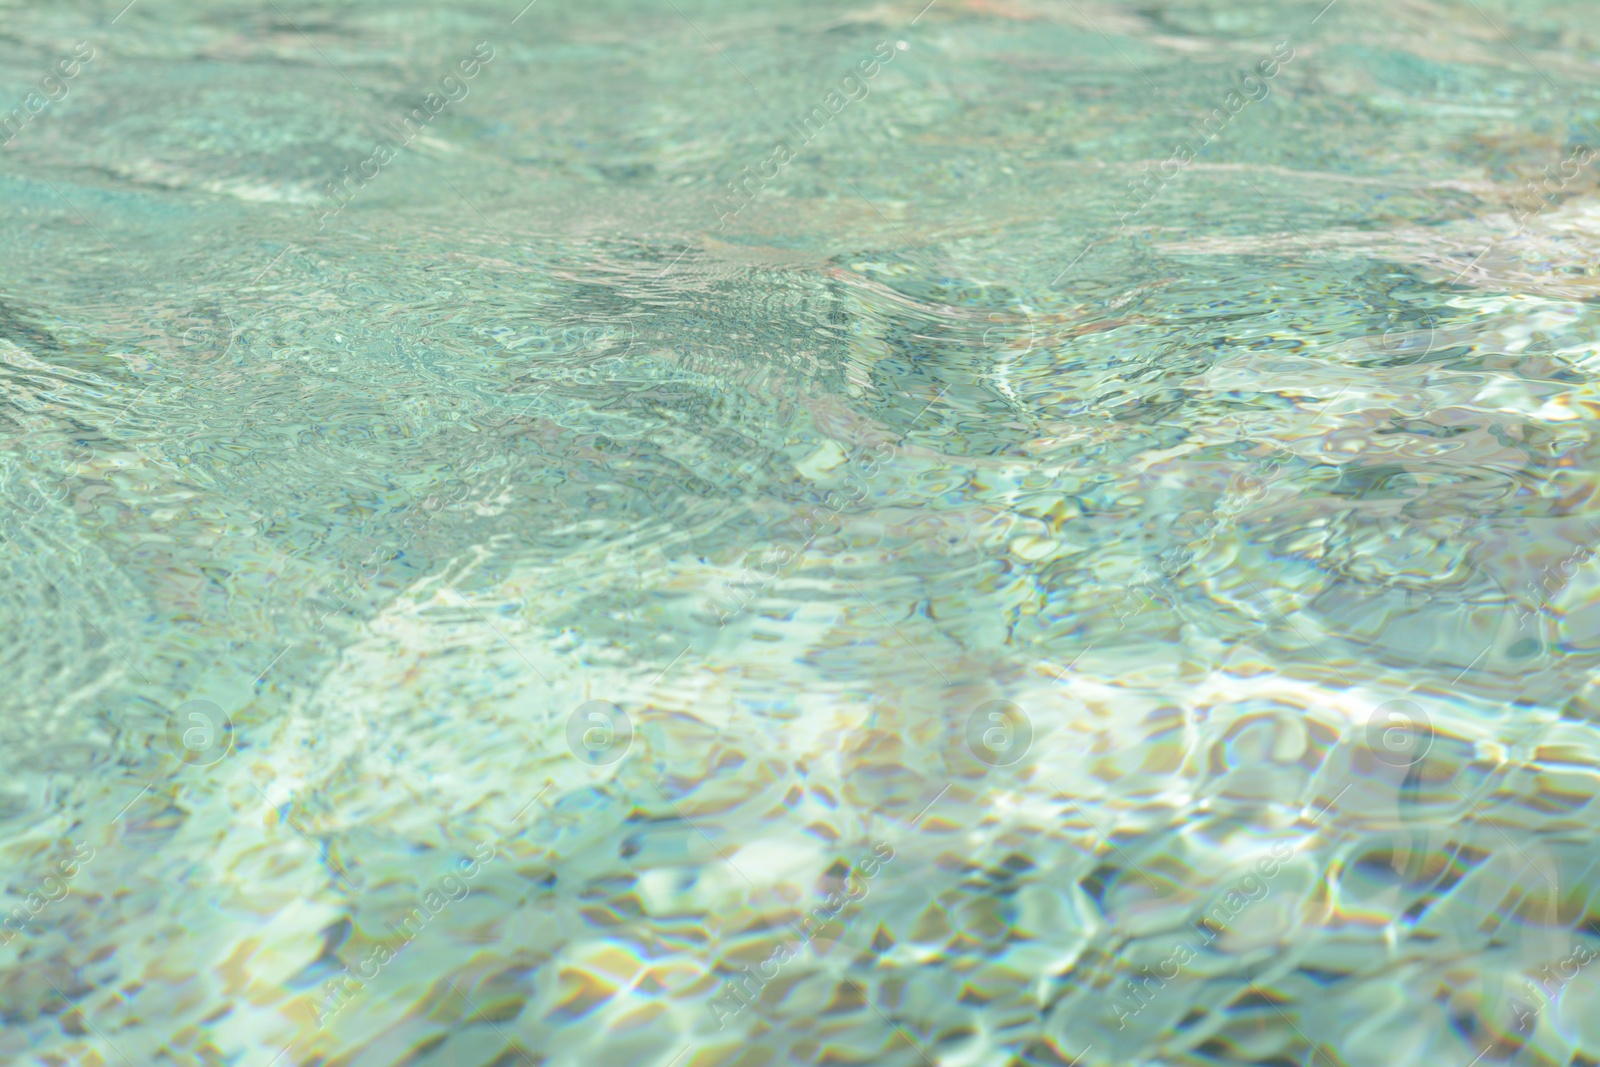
(998, 532)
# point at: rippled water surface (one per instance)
(676, 534)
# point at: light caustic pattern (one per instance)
(978, 533)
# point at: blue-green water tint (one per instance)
(1067, 567)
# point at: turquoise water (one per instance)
(1047, 532)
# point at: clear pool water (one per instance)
(1051, 532)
